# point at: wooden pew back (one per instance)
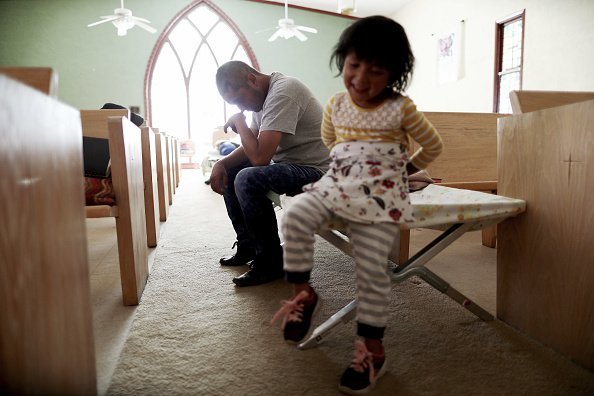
(95, 122)
(151, 194)
(94, 125)
(44, 79)
(468, 159)
(162, 174)
(170, 167)
(527, 101)
(125, 150)
(46, 334)
(545, 256)
(470, 149)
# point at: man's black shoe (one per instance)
(237, 259)
(257, 277)
(242, 257)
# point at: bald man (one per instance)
(280, 151)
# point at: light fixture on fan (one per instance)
(347, 7)
(123, 24)
(123, 20)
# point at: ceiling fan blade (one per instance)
(307, 29)
(265, 30)
(275, 35)
(107, 19)
(299, 35)
(145, 27)
(140, 19)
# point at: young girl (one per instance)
(367, 128)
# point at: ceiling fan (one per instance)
(123, 20)
(287, 28)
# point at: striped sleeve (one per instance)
(328, 132)
(422, 131)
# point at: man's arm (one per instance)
(258, 148)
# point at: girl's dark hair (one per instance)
(380, 40)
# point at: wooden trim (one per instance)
(527, 101)
(485, 186)
(497, 65)
(499, 25)
(97, 211)
(44, 79)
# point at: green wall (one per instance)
(95, 66)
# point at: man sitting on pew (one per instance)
(280, 151)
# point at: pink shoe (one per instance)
(297, 316)
(363, 372)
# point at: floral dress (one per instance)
(367, 183)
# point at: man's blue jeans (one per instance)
(252, 213)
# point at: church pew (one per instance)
(162, 175)
(125, 150)
(151, 194)
(468, 160)
(170, 167)
(545, 276)
(527, 101)
(44, 79)
(46, 332)
(177, 163)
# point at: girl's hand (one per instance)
(411, 169)
(235, 121)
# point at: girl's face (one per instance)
(365, 82)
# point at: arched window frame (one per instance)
(164, 38)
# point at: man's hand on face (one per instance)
(236, 121)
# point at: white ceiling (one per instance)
(363, 7)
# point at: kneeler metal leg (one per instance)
(414, 266)
(345, 315)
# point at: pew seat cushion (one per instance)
(99, 191)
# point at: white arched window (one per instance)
(181, 96)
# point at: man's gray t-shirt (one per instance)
(291, 108)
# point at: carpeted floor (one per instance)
(194, 333)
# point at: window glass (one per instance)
(509, 73)
(183, 98)
(203, 18)
(508, 82)
(168, 95)
(205, 113)
(223, 41)
(512, 45)
(185, 39)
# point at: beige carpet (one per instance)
(194, 333)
